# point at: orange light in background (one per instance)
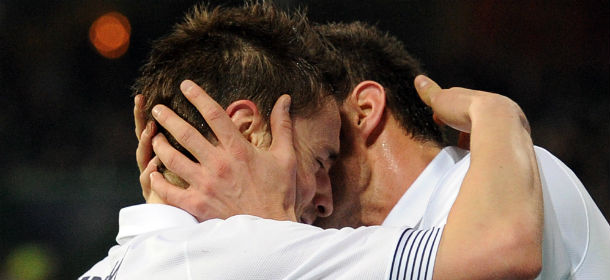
(110, 34)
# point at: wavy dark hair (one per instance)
(370, 54)
(255, 52)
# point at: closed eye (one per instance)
(320, 163)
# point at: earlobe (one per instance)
(247, 118)
(369, 99)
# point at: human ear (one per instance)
(368, 99)
(247, 118)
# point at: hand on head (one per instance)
(230, 178)
(456, 107)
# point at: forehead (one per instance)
(321, 129)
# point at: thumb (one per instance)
(426, 88)
(449, 106)
(281, 126)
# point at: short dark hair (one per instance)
(370, 54)
(255, 52)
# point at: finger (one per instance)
(145, 151)
(174, 160)
(215, 116)
(451, 106)
(281, 126)
(426, 88)
(183, 132)
(138, 114)
(145, 178)
(169, 193)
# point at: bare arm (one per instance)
(494, 229)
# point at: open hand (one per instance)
(232, 177)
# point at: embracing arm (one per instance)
(494, 229)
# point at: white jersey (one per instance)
(576, 238)
(162, 242)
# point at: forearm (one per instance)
(497, 217)
(503, 169)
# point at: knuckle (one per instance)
(433, 99)
(286, 124)
(213, 113)
(186, 137)
(199, 204)
(499, 104)
(222, 168)
(459, 89)
(240, 153)
(172, 162)
(207, 192)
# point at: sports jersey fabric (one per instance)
(576, 237)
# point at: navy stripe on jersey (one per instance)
(414, 254)
(434, 244)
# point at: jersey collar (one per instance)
(144, 218)
(409, 210)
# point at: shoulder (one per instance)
(107, 267)
(251, 247)
(568, 208)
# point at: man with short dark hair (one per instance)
(247, 58)
(427, 178)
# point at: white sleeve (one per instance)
(576, 241)
(415, 254)
(246, 247)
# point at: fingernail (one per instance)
(153, 141)
(186, 86)
(138, 101)
(287, 104)
(148, 128)
(156, 111)
(423, 81)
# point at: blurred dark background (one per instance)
(68, 162)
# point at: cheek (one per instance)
(347, 176)
(339, 178)
(306, 185)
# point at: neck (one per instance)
(396, 160)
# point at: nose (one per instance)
(323, 200)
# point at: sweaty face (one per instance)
(316, 142)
